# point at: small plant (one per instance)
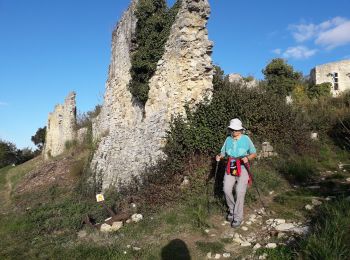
(70, 144)
(199, 216)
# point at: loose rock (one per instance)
(257, 246)
(136, 218)
(106, 228)
(117, 225)
(245, 244)
(284, 227)
(271, 245)
(309, 207)
(316, 202)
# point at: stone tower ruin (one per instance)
(131, 137)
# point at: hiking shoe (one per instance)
(235, 224)
(229, 217)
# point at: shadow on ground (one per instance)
(175, 250)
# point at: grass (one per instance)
(213, 247)
(48, 228)
(3, 174)
(329, 238)
(15, 174)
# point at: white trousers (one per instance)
(236, 206)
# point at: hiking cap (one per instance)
(236, 124)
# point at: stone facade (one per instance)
(337, 73)
(131, 137)
(60, 127)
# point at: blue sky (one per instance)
(49, 48)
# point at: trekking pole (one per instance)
(216, 171)
(247, 166)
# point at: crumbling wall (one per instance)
(133, 136)
(61, 127)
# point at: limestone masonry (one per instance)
(60, 127)
(131, 137)
(337, 73)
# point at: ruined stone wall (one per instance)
(134, 136)
(326, 73)
(236, 78)
(60, 127)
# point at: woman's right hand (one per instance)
(218, 157)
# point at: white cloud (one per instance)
(277, 51)
(329, 34)
(303, 32)
(299, 52)
(335, 37)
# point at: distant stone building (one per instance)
(337, 73)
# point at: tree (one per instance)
(8, 153)
(39, 138)
(281, 77)
(319, 90)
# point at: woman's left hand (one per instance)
(245, 159)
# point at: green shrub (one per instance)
(266, 116)
(154, 21)
(319, 90)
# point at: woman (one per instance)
(240, 150)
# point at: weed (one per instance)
(70, 144)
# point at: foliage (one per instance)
(154, 21)
(39, 138)
(266, 116)
(85, 119)
(324, 113)
(341, 133)
(8, 153)
(319, 90)
(281, 77)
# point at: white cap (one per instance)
(235, 124)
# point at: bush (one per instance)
(341, 133)
(319, 90)
(266, 116)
